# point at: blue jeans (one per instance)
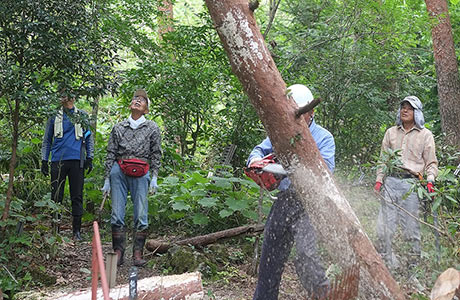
(120, 184)
(288, 223)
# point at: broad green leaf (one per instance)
(436, 204)
(223, 183)
(207, 201)
(197, 177)
(40, 203)
(179, 205)
(225, 213)
(236, 205)
(36, 141)
(171, 180)
(198, 193)
(200, 219)
(176, 215)
(451, 199)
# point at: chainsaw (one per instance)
(267, 173)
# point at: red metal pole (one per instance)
(98, 261)
(94, 271)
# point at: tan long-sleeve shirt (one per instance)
(417, 147)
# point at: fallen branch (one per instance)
(158, 246)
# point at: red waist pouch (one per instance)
(133, 167)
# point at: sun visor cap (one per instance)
(142, 93)
(414, 102)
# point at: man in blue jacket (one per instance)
(69, 140)
(288, 222)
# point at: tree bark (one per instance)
(446, 69)
(203, 240)
(12, 165)
(336, 224)
(165, 21)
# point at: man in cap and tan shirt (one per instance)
(418, 157)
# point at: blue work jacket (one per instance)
(323, 138)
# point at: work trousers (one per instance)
(120, 185)
(288, 223)
(395, 191)
(60, 170)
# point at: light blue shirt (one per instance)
(323, 138)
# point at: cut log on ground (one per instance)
(184, 286)
(332, 216)
(447, 284)
(157, 246)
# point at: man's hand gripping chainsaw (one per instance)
(267, 173)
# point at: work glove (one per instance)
(377, 187)
(45, 168)
(253, 160)
(153, 185)
(106, 188)
(88, 165)
(430, 187)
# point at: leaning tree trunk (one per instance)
(334, 219)
(446, 69)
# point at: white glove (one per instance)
(106, 188)
(254, 159)
(153, 185)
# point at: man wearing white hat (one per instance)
(288, 223)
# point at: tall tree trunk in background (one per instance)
(336, 224)
(165, 22)
(446, 69)
(14, 149)
(94, 113)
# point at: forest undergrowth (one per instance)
(226, 266)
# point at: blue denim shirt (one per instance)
(323, 138)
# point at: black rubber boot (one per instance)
(138, 248)
(76, 228)
(118, 243)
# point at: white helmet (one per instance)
(301, 94)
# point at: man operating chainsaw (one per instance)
(418, 157)
(288, 222)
